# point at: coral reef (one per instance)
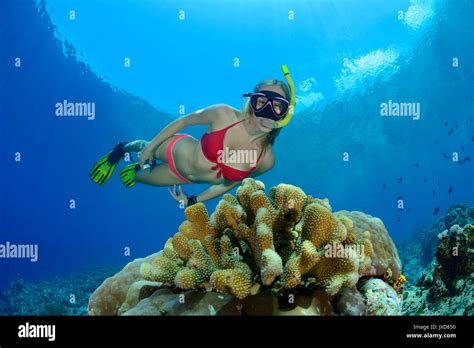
(418, 250)
(446, 287)
(250, 237)
(53, 297)
(282, 254)
(287, 245)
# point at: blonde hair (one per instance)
(247, 110)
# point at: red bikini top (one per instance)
(211, 144)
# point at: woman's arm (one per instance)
(210, 193)
(203, 116)
(215, 191)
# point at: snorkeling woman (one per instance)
(236, 145)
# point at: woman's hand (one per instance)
(146, 156)
(179, 196)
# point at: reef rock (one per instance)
(380, 298)
(350, 302)
(275, 246)
(192, 302)
(109, 297)
(384, 253)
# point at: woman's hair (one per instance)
(247, 110)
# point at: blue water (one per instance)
(346, 58)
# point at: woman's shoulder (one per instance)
(226, 114)
(230, 112)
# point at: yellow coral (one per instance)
(321, 227)
(288, 199)
(323, 231)
(228, 213)
(334, 273)
(245, 195)
(252, 237)
(198, 269)
(211, 245)
(162, 269)
(180, 246)
(228, 258)
(197, 226)
(237, 281)
(300, 263)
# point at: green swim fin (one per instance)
(127, 174)
(105, 167)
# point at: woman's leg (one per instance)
(135, 146)
(139, 145)
(160, 175)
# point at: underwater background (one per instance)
(345, 57)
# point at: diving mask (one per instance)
(268, 104)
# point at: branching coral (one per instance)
(329, 251)
(282, 240)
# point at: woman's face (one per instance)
(265, 124)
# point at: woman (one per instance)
(236, 145)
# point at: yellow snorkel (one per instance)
(283, 122)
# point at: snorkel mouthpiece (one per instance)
(285, 120)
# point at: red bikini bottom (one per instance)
(169, 156)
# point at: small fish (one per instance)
(439, 182)
(434, 193)
(398, 218)
(450, 190)
(424, 179)
(446, 124)
(472, 139)
(384, 186)
(400, 180)
(417, 165)
(436, 142)
(408, 209)
(456, 126)
(467, 159)
(436, 211)
(444, 155)
(462, 147)
(399, 197)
